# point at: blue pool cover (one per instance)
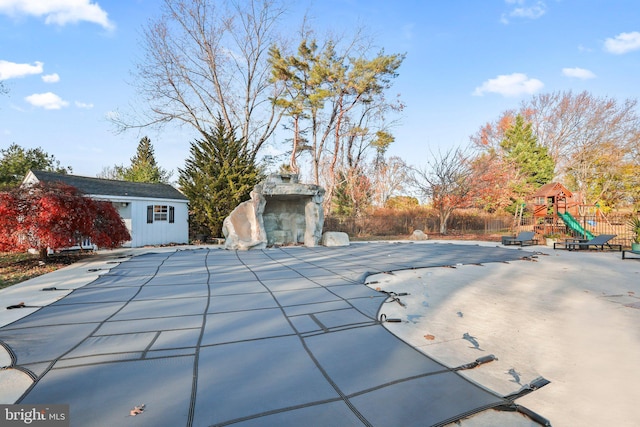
(278, 337)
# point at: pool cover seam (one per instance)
(196, 358)
(324, 373)
(54, 361)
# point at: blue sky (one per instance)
(67, 65)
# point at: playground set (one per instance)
(556, 211)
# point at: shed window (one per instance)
(160, 213)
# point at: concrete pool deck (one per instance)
(570, 317)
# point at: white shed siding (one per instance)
(159, 232)
(133, 212)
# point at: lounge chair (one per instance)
(523, 238)
(598, 242)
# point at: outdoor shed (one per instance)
(155, 214)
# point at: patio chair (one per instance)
(598, 242)
(523, 238)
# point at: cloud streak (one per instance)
(578, 73)
(83, 105)
(60, 12)
(510, 85)
(623, 43)
(51, 78)
(524, 11)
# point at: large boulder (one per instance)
(418, 235)
(243, 228)
(335, 238)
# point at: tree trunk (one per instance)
(294, 150)
(444, 218)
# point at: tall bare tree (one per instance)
(389, 178)
(445, 183)
(566, 123)
(204, 58)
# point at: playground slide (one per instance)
(574, 225)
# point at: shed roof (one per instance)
(110, 187)
(552, 189)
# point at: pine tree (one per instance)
(143, 166)
(532, 159)
(533, 165)
(219, 174)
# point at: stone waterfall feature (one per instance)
(281, 211)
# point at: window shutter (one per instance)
(172, 214)
(149, 214)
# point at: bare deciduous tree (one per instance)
(566, 123)
(204, 58)
(389, 179)
(445, 183)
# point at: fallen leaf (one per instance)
(430, 337)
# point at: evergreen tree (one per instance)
(533, 165)
(218, 175)
(143, 166)
(15, 163)
(533, 161)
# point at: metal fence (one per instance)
(404, 223)
(616, 224)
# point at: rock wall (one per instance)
(281, 211)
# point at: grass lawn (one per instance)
(18, 267)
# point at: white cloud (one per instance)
(112, 115)
(51, 78)
(48, 101)
(510, 85)
(524, 11)
(12, 70)
(84, 105)
(623, 43)
(579, 73)
(58, 12)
